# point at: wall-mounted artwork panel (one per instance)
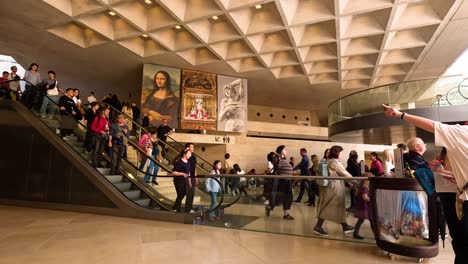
(160, 94)
(232, 104)
(199, 106)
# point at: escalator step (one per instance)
(79, 149)
(104, 171)
(123, 186)
(133, 195)
(143, 202)
(75, 143)
(114, 178)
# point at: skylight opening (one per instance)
(460, 66)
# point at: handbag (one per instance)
(323, 171)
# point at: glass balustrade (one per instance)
(442, 91)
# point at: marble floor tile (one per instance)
(49, 237)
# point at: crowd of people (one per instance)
(108, 124)
(108, 129)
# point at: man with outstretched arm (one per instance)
(455, 139)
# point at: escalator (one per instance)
(84, 188)
(171, 149)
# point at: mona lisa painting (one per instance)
(160, 94)
(198, 100)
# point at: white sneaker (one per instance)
(191, 212)
(266, 202)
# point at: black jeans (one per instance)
(313, 191)
(117, 155)
(184, 189)
(458, 228)
(352, 194)
(99, 144)
(38, 98)
(359, 223)
(28, 96)
(89, 140)
(304, 186)
(190, 195)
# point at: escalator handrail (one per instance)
(146, 131)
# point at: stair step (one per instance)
(114, 178)
(123, 186)
(133, 194)
(143, 202)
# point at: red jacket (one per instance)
(100, 124)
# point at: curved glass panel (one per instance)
(405, 95)
(463, 88)
(455, 98)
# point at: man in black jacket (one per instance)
(304, 167)
(163, 132)
(190, 192)
(69, 112)
(136, 116)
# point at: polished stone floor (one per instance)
(44, 236)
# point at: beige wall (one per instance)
(250, 152)
(275, 115)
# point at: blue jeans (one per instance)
(213, 203)
(153, 168)
(47, 102)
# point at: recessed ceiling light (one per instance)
(178, 27)
(148, 2)
(258, 6)
(144, 35)
(214, 17)
(111, 13)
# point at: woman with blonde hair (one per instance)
(388, 162)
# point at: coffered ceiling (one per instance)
(296, 54)
(354, 44)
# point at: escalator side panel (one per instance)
(32, 169)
